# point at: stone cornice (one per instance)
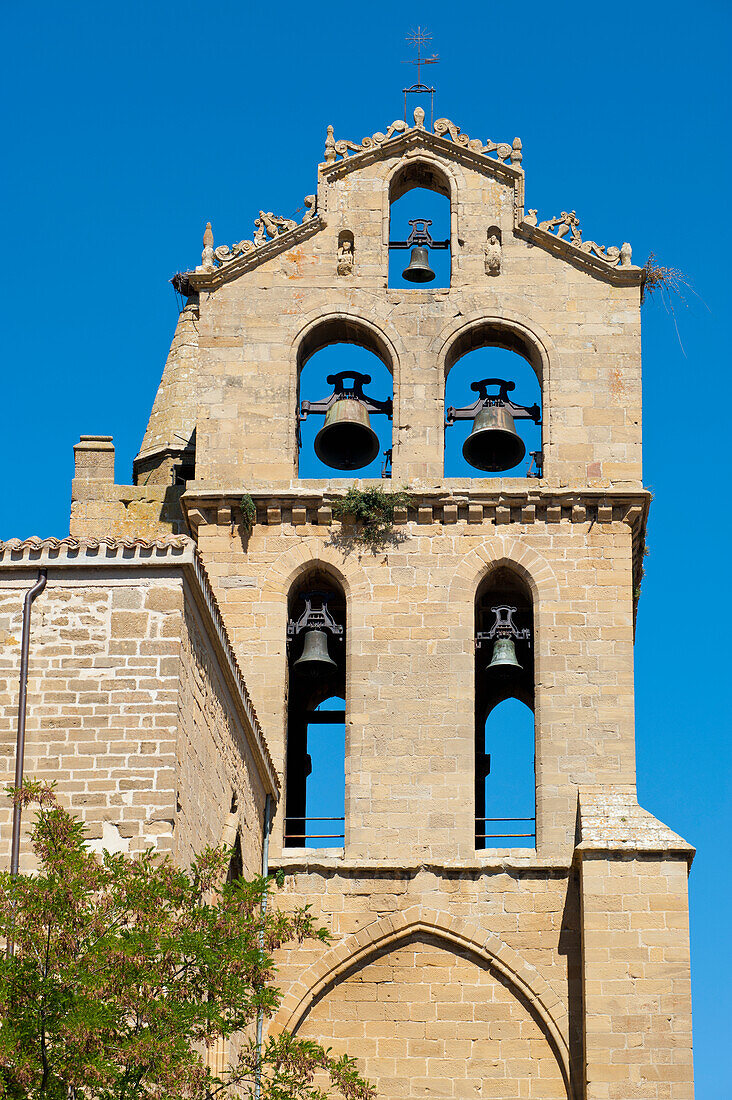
(307, 861)
(191, 282)
(565, 250)
(170, 551)
(473, 505)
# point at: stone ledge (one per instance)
(492, 864)
(611, 823)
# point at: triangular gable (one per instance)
(560, 236)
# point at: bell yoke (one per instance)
(348, 442)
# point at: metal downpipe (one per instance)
(265, 872)
(22, 702)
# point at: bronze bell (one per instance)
(504, 656)
(419, 270)
(493, 443)
(347, 441)
(315, 659)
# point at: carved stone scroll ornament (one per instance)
(568, 223)
(266, 227)
(310, 202)
(504, 152)
(334, 149)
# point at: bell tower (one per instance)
(449, 707)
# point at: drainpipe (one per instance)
(265, 872)
(22, 698)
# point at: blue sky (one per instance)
(128, 127)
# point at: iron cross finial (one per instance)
(419, 39)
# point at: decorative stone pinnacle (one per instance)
(207, 256)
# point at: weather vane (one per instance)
(419, 39)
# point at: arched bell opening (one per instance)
(505, 784)
(316, 690)
(419, 227)
(493, 414)
(345, 402)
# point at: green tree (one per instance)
(124, 970)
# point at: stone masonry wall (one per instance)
(114, 717)
(410, 665)
(438, 979)
(215, 761)
(101, 508)
(636, 968)
(581, 333)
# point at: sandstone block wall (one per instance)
(447, 981)
(128, 709)
(101, 508)
(636, 968)
(410, 665)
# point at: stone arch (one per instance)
(513, 332)
(451, 177)
(349, 326)
(324, 327)
(390, 932)
(306, 553)
(534, 569)
(539, 577)
(508, 329)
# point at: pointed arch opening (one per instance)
(420, 192)
(316, 713)
(505, 736)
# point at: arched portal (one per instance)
(426, 1017)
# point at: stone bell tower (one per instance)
(461, 965)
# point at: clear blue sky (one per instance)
(127, 127)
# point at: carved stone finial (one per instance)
(207, 256)
(310, 202)
(626, 255)
(419, 118)
(531, 217)
(516, 151)
(330, 147)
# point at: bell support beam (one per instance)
(486, 399)
(342, 391)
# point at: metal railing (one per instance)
(503, 836)
(292, 821)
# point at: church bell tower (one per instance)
(408, 449)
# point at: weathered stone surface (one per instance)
(556, 972)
